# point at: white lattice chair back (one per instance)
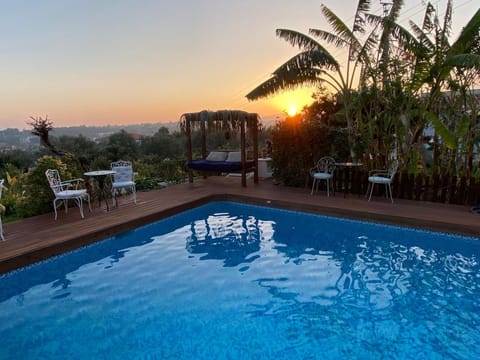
(323, 171)
(122, 178)
(123, 171)
(1, 187)
(54, 180)
(326, 165)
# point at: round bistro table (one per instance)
(100, 176)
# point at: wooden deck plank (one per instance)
(39, 237)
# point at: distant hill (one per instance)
(93, 132)
(23, 139)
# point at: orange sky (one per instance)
(140, 61)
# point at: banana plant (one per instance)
(315, 65)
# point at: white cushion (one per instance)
(322, 176)
(217, 156)
(234, 156)
(379, 180)
(122, 183)
(68, 194)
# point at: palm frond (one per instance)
(310, 59)
(339, 27)
(395, 10)
(447, 24)
(285, 80)
(469, 38)
(421, 74)
(422, 37)
(363, 7)
(465, 61)
(363, 57)
(333, 39)
(303, 69)
(428, 22)
(408, 42)
(447, 137)
(298, 39)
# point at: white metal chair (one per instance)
(384, 177)
(1, 226)
(323, 171)
(122, 179)
(66, 190)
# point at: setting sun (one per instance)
(292, 102)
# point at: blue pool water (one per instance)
(232, 281)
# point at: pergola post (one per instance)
(188, 130)
(254, 132)
(204, 138)
(243, 152)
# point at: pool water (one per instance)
(234, 281)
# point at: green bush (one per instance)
(12, 193)
(37, 197)
(299, 144)
(155, 167)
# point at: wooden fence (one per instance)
(442, 189)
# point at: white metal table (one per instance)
(100, 176)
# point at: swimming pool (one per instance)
(236, 281)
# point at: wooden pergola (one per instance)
(223, 120)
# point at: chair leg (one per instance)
(88, 199)
(134, 194)
(313, 186)
(1, 230)
(55, 208)
(328, 188)
(114, 199)
(371, 191)
(79, 202)
(390, 191)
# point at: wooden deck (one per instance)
(40, 237)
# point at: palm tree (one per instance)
(315, 65)
(442, 66)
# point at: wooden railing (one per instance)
(442, 189)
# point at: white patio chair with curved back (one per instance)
(384, 177)
(1, 226)
(66, 190)
(122, 179)
(323, 171)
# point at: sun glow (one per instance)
(292, 111)
(291, 103)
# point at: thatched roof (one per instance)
(219, 120)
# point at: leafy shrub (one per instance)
(12, 193)
(37, 196)
(300, 141)
(145, 184)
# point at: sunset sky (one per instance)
(99, 62)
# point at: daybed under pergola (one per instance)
(223, 120)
